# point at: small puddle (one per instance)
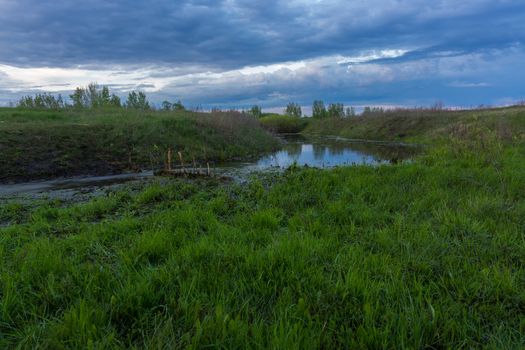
(321, 152)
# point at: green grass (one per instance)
(427, 254)
(424, 126)
(283, 124)
(47, 144)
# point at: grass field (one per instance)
(37, 144)
(427, 254)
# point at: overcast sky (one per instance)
(235, 53)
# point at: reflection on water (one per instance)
(316, 152)
(330, 152)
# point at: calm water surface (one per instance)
(322, 152)
(329, 152)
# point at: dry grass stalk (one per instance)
(181, 160)
(169, 158)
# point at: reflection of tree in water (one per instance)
(337, 148)
(319, 151)
(392, 153)
(294, 150)
(295, 138)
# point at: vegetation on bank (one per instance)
(42, 143)
(427, 254)
(415, 125)
(47, 143)
(292, 120)
(420, 125)
(283, 124)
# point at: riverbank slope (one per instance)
(421, 126)
(43, 144)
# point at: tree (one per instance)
(318, 109)
(94, 98)
(42, 101)
(143, 101)
(178, 106)
(166, 105)
(114, 101)
(105, 98)
(137, 101)
(293, 110)
(26, 102)
(78, 98)
(256, 111)
(60, 102)
(336, 110)
(350, 112)
(133, 99)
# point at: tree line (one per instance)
(94, 97)
(319, 110)
(338, 110)
(334, 110)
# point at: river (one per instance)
(321, 152)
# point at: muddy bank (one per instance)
(50, 146)
(321, 152)
(36, 153)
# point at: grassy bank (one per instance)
(426, 254)
(47, 144)
(420, 125)
(283, 124)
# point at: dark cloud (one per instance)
(466, 52)
(231, 34)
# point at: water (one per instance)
(321, 152)
(325, 152)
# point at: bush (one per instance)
(283, 124)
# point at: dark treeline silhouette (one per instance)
(168, 106)
(338, 110)
(334, 110)
(94, 97)
(293, 110)
(42, 101)
(319, 111)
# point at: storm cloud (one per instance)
(239, 52)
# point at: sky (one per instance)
(237, 53)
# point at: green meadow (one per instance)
(425, 254)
